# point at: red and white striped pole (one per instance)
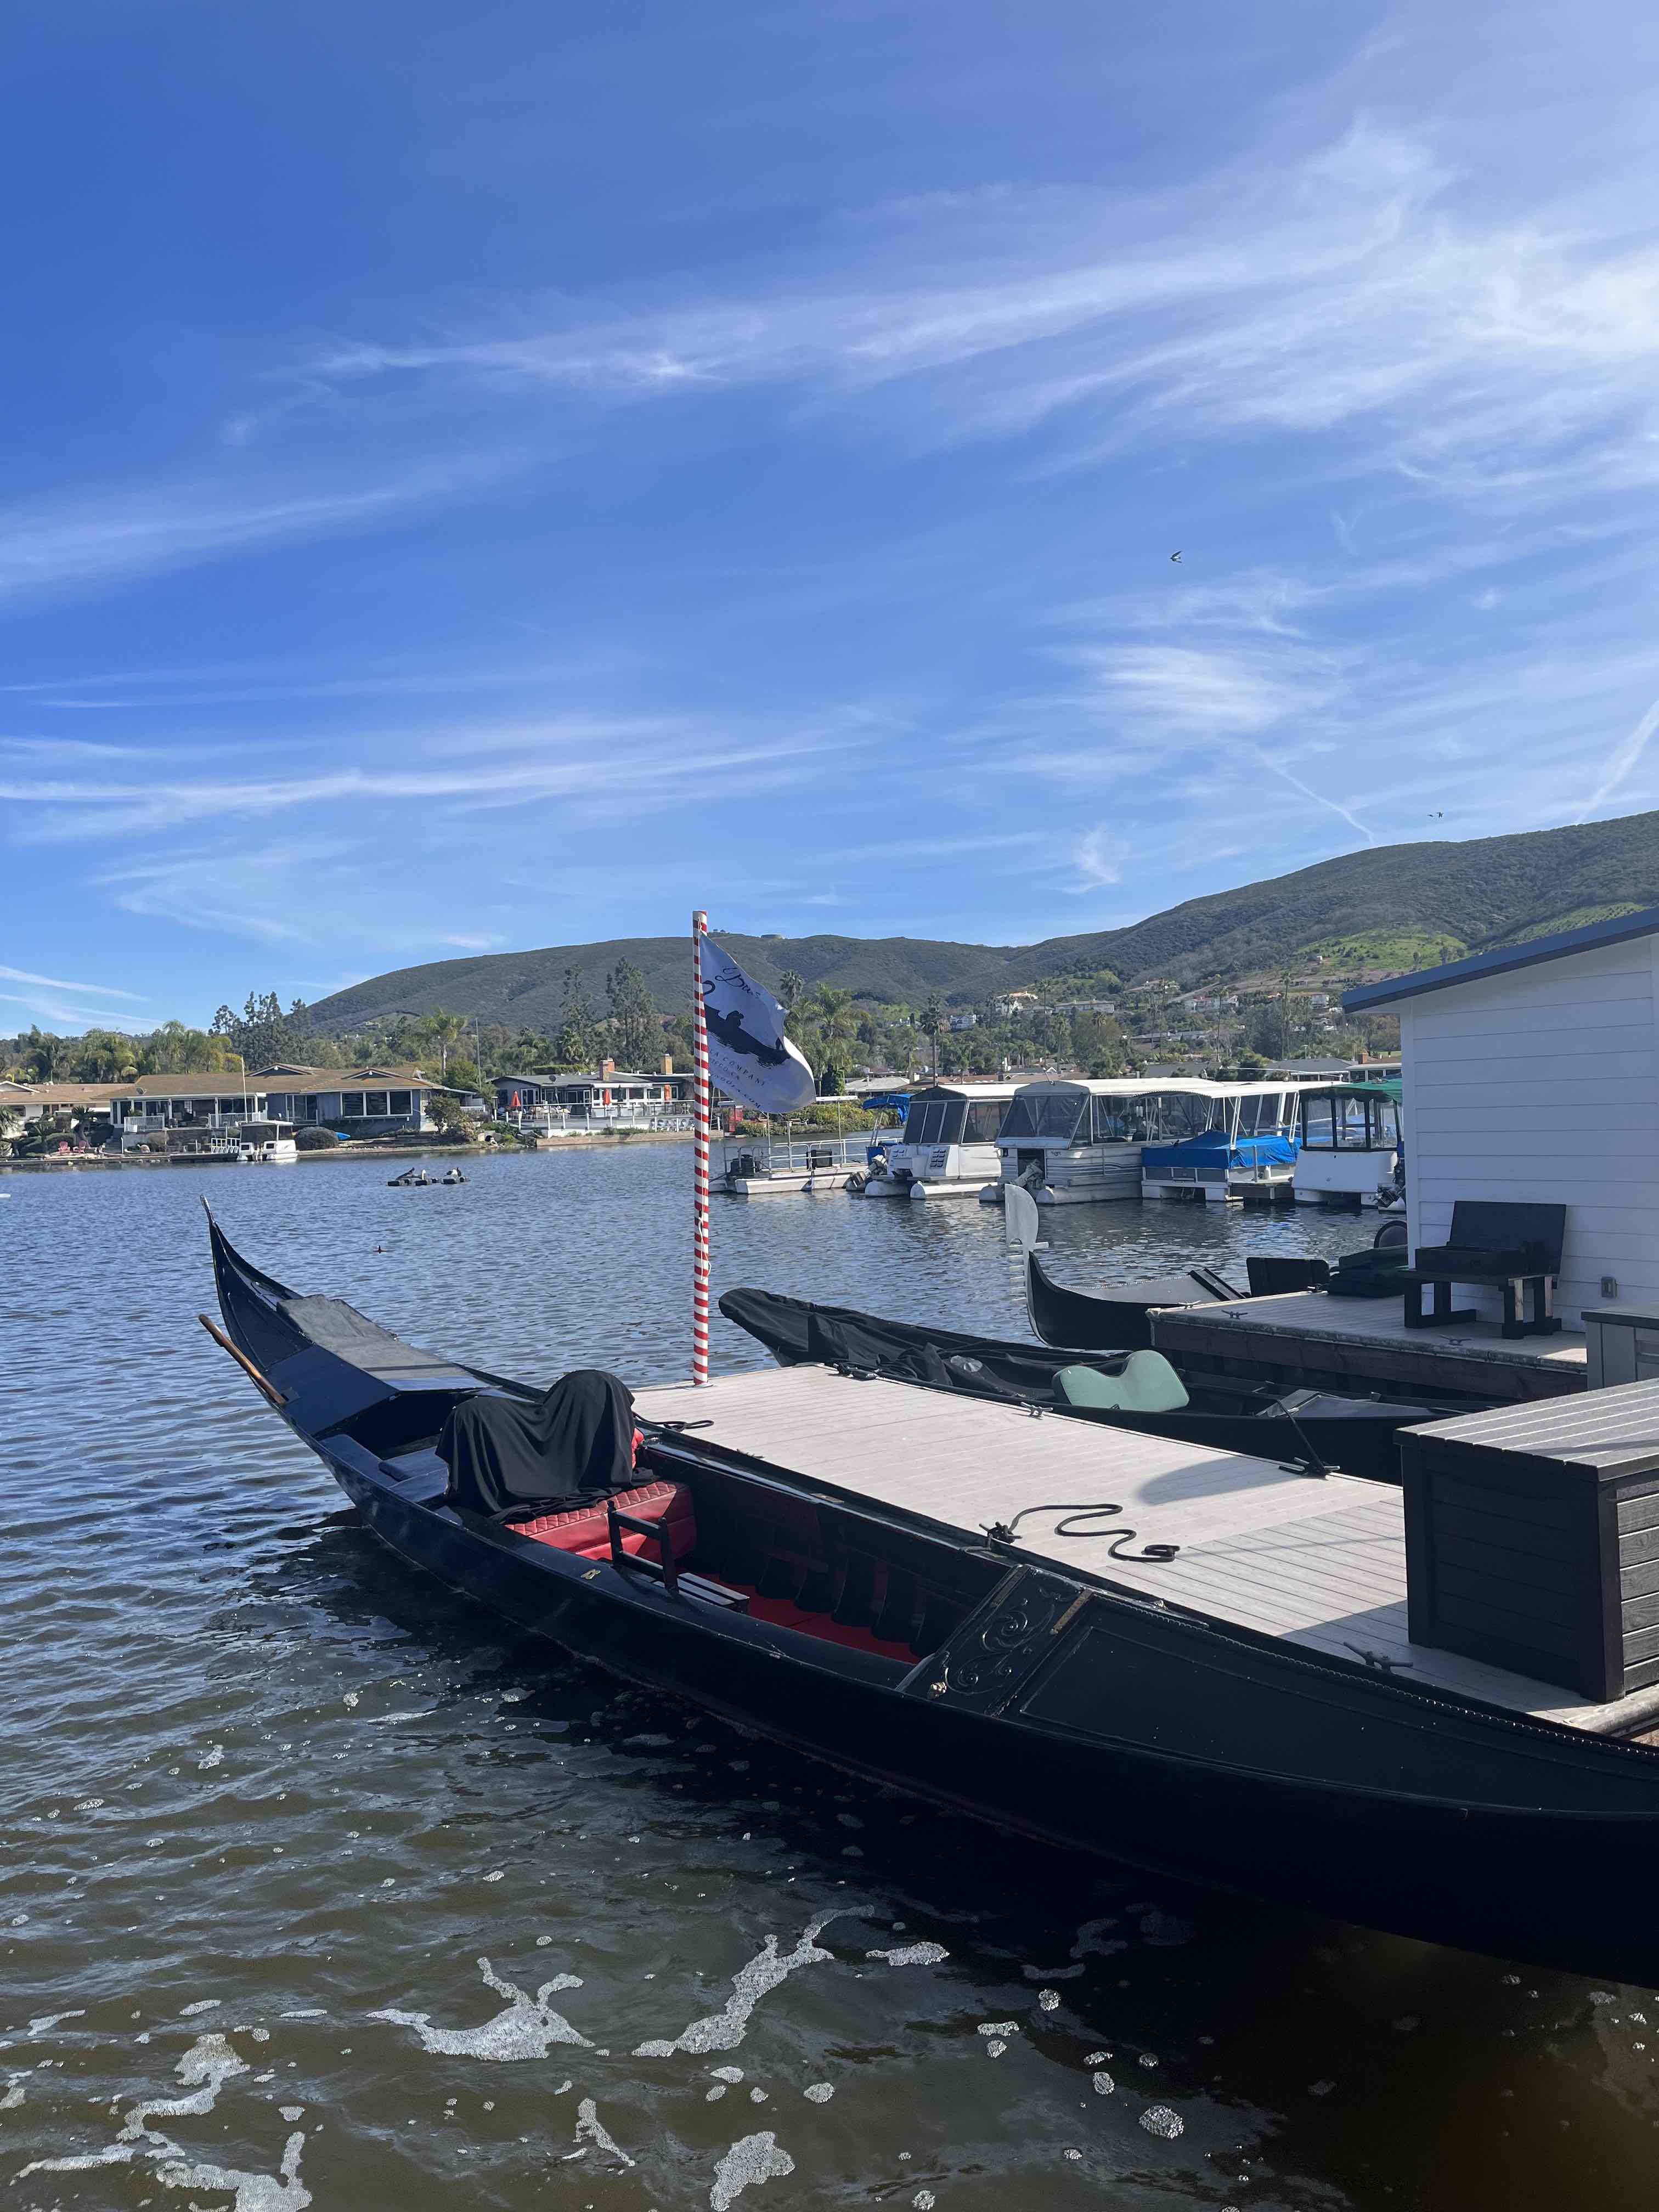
(700, 1146)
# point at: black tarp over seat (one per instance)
(570, 1446)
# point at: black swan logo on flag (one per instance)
(749, 1056)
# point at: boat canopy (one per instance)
(1124, 1113)
(943, 1115)
(1351, 1117)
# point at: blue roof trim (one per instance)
(1504, 961)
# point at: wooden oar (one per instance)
(259, 1382)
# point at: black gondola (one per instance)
(954, 1665)
(1117, 1317)
(1319, 1428)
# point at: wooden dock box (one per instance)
(1623, 1344)
(1532, 1538)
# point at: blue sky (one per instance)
(494, 476)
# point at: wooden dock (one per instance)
(1320, 1563)
(1310, 1340)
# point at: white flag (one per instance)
(749, 1056)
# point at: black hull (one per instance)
(1354, 1436)
(1062, 1709)
(1444, 1874)
(1117, 1319)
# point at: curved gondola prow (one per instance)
(250, 1303)
(1072, 1320)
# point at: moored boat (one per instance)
(267, 1145)
(876, 1574)
(1074, 1142)
(1116, 1316)
(1137, 1389)
(1349, 1153)
(947, 1148)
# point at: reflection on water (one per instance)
(320, 1885)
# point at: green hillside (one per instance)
(1400, 903)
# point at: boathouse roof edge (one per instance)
(1503, 960)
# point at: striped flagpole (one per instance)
(700, 1202)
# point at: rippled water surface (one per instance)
(321, 1887)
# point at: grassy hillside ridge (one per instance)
(1486, 891)
(528, 987)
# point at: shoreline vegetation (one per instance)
(416, 1148)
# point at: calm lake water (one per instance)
(322, 1886)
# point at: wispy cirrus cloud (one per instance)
(57, 983)
(643, 763)
(116, 537)
(1496, 354)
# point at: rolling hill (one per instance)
(1380, 910)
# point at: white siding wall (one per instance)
(1543, 1084)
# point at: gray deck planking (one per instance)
(1315, 1314)
(1315, 1563)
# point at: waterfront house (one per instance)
(151, 1105)
(366, 1102)
(363, 1101)
(24, 1104)
(607, 1093)
(1532, 1073)
(524, 1094)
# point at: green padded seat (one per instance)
(1147, 1384)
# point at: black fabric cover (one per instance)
(1353, 1434)
(837, 1336)
(571, 1445)
(1276, 1275)
(335, 1327)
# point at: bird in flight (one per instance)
(1437, 817)
(1175, 556)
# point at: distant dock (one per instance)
(1312, 1341)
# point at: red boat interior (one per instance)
(792, 1562)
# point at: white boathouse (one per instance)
(1532, 1073)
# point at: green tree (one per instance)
(636, 1025)
(173, 1049)
(442, 1030)
(262, 1033)
(43, 1056)
(449, 1114)
(792, 989)
(931, 1025)
(577, 1044)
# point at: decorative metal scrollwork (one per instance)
(990, 1656)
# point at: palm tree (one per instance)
(792, 989)
(833, 1011)
(931, 1024)
(443, 1029)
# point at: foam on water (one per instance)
(282, 2191)
(725, 2029)
(204, 2069)
(590, 2128)
(912, 1954)
(750, 2161)
(528, 2028)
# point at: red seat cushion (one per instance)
(587, 1529)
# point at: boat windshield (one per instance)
(1052, 1115)
(1349, 1122)
(1153, 1117)
(935, 1120)
(1262, 1115)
